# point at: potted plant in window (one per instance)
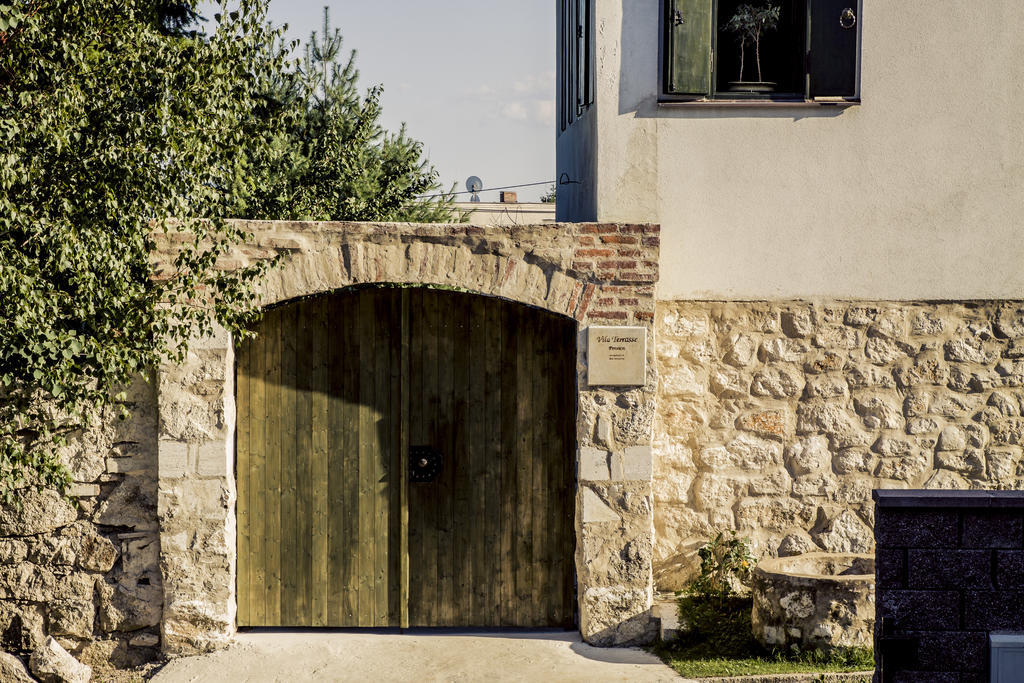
(750, 23)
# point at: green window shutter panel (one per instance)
(689, 29)
(835, 32)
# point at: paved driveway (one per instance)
(294, 655)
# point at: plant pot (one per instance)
(751, 86)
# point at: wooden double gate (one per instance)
(342, 399)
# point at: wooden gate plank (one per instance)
(563, 373)
(365, 545)
(464, 522)
(336, 481)
(393, 421)
(350, 429)
(305, 488)
(416, 426)
(476, 516)
(319, 362)
(257, 495)
(524, 470)
(568, 430)
(446, 443)
(274, 490)
(431, 397)
(508, 462)
(540, 456)
(382, 453)
(242, 369)
(494, 458)
(287, 538)
(403, 462)
(553, 363)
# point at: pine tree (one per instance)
(335, 161)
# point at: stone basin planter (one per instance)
(818, 601)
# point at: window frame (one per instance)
(728, 99)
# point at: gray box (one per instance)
(1007, 657)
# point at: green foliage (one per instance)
(550, 196)
(110, 126)
(750, 23)
(718, 626)
(119, 126)
(711, 607)
(335, 161)
(725, 566)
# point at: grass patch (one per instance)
(721, 644)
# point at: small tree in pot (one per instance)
(750, 23)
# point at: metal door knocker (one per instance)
(848, 19)
(425, 464)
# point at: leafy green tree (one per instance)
(335, 161)
(550, 196)
(116, 127)
(750, 23)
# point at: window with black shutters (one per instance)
(811, 53)
(575, 59)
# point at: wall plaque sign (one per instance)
(617, 356)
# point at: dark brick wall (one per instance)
(949, 570)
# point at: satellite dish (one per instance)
(474, 185)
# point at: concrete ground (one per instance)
(417, 655)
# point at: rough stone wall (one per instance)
(87, 573)
(778, 419)
(196, 497)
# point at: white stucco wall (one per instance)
(916, 193)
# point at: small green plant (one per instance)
(713, 606)
(750, 23)
(725, 566)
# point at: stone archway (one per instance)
(596, 274)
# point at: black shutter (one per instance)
(835, 33)
(566, 59)
(688, 31)
(584, 50)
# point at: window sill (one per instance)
(760, 104)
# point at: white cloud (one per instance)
(529, 100)
(544, 112)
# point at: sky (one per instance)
(474, 80)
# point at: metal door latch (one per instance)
(425, 464)
(848, 18)
(677, 18)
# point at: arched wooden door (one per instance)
(405, 457)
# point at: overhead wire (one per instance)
(488, 189)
